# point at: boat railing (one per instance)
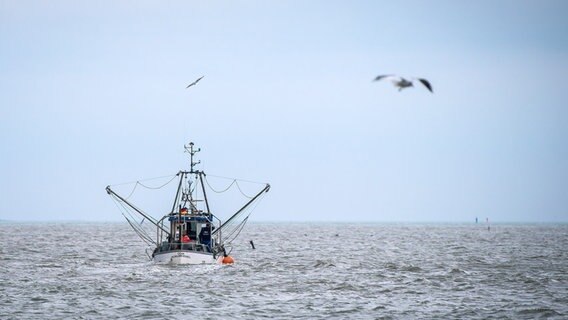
(191, 246)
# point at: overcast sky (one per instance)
(93, 93)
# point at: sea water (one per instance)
(297, 271)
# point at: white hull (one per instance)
(186, 257)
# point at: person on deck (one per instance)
(205, 235)
(185, 240)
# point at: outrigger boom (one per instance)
(194, 235)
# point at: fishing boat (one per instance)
(190, 232)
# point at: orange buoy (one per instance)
(228, 260)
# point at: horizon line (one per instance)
(481, 223)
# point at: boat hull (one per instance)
(186, 257)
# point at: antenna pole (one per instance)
(189, 149)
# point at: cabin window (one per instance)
(191, 230)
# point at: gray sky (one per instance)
(93, 93)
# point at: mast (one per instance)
(192, 152)
(204, 194)
(198, 174)
(178, 191)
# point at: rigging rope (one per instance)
(132, 192)
(143, 234)
(148, 179)
(146, 238)
(210, 187)
(165, 184)
(243, 180)
(239, 187)
(237, 229)
(233, 226)
(234, 182)
(138, 182)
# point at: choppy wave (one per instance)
(298, 271)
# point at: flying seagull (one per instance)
(194, 82)
(402, 83)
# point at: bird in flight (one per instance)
(403, 83)
(194, 82)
